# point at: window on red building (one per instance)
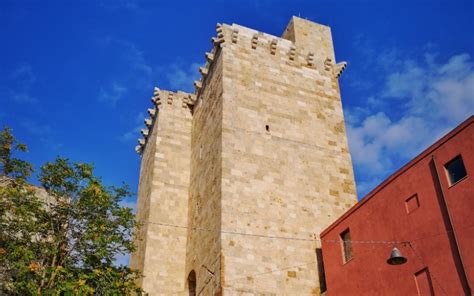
(423, 282)
(412, 203)
(346, 245)
(455, 170)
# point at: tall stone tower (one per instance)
(238, 179)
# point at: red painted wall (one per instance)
(382, 216)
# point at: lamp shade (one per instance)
(396, 257)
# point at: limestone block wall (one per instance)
(310, 37)
(286, 169)
(163, 194)
(137, 260)
(261, 168)
(203, 248)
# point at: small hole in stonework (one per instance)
(267, 128)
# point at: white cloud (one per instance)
(431, 97)
(112, 94)
(182, 77)
(446, 89)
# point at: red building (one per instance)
(426, 210)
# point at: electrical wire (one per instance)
(424, 264)
(382, 242)
(314, 239)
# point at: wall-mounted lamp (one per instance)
(396, 257)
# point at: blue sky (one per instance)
(76, 76)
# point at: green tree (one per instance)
(61, 238)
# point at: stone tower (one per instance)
(238, 179)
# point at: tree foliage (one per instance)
(61, 238)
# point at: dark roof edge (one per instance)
(411, 163)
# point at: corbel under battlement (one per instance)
(298, 50)
(339, 68)
(236, 35)
(163, 100)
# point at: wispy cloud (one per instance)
(23, 97)
(137, 73)
(24, 73)
(112, 94)
(136, 58)
(21, 81)
(43, 132)
(130, 58)
(130, 5)
(446, 89)
(132, 72)
(140, 71)
(182, 77)
(430, 98)
(40, 130)
(134, 133)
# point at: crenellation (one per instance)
(151, 112)
(273, 46)
(328, 64)
(292, 53)
(204, 70)
(138, 149)
(235, 35)
(148, 122)
(299, 54)
(190, 100)
(170, 98)
(182, 99)
(144, 132)
(310, 59)
(218, 41)
(209, 57)
(220, 31)
(198, 85)
(339, 68)
(254, 41)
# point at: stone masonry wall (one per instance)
(267, 168)
(203, 249)
(286, 169)
(163, 196)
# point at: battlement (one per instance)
(163, 99)
(303, 44)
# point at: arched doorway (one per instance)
(192, 283)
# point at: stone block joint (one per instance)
(233, 175)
